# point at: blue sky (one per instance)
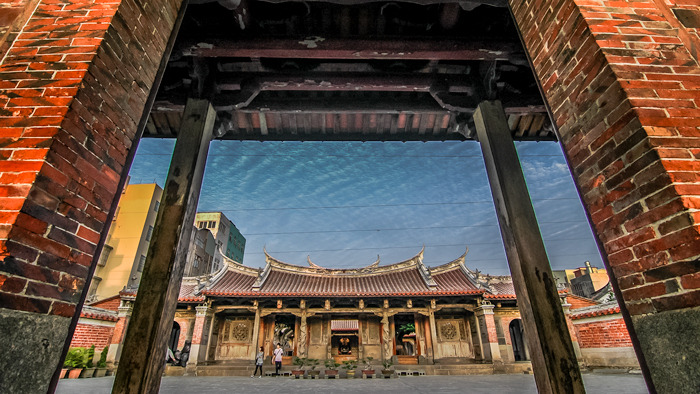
(344, 203)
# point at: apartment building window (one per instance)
(149, 233)
(212, 224)
(199, 242)
(222, 227)
(157, 206)
(142, 261)
(201, 224)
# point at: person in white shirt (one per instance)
(277, 356)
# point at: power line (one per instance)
(405, 247)
(396, 229)
(384, 205)
(347, 156)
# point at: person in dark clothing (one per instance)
(185, 353)
(259, 362)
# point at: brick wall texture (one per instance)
(602, 334)
(86, 335)
(622, 81)
(72, 89)
(111, 303)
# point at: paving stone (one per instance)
(481, 384)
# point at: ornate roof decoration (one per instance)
(606, 308)
(91, 312)
(425, 272)
(406, 278)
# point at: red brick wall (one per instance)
(505, 322)
(606, 333)
(579, 302)
(184, 326)
(491, 328)
(198, 330)
(72, 89)
(87, 335)
(111, 303)
(623, 87)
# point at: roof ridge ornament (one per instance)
(263, 273)
(312, 264)
(370, 267)
(425, 271)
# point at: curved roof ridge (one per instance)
(454, 264)
(314, 269)
(312, 264)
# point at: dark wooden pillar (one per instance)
(143, 356)
(553, 359)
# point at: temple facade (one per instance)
(405, 312)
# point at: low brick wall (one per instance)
(604, 340)
(90, 332)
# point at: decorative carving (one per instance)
(386, 338)
(433, 304)
(448, 331)
(327, 305)
(279, 304)
(301, 347)
(240, 332)
(386, 304)
(302, 304)
(409, 304)
(362, 304)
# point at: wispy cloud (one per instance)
(435, 194)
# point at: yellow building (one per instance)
(124, 253)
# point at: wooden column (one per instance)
(433, 334)
(429, 340)
(556, 369)
(256, 332)
(142, 360)
(477, 327)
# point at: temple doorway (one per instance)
(174, 337)
(405, 339)
(284, 333)
(345, 343)
(517, 338)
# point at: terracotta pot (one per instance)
(296, 374)
(74, 373)
(368, 372)
(331, 372)
(64, 371)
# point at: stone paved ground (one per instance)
(480, 384)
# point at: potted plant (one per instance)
(368, 371)
(102, 364)
(89, 370)
(76, 361)
(331, 368)
(386, 371)
(313, 363)
(350, 365)
(299, 362)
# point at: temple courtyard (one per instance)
(596, 383)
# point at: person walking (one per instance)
(278, 359)
(259, 362)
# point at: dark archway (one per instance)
(174, 337)
(518, 340)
